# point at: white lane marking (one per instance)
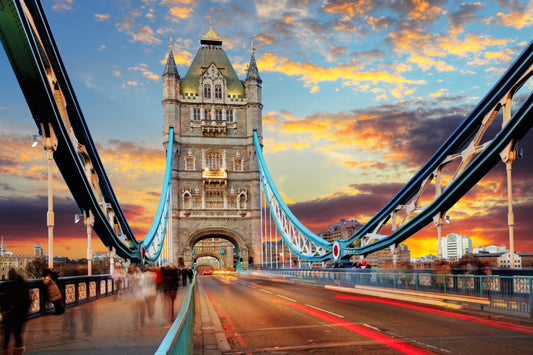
(372, 327)
(287, 298)
(325, 311)
(261, 289)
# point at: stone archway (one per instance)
(241, 249)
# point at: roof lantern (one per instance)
(211, 38)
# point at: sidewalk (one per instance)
(209, 337)
(99, 327)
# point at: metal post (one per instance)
(89, 222)
(50, 214)
(510, 215)
(50, 145)
(439, 238)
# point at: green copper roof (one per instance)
(206, 55)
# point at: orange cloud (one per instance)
(516, 19)
(313, 74)
(180, 12)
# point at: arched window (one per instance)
(187, 201)
(218, 91)
(242, 201)
(214, 160)
(207, 91)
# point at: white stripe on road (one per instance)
(323, 310)
(261, 289)
(287, 298)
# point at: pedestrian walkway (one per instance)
(100, 327)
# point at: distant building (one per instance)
(343, 229)
(521, 260)
(490, 249)
(18, 262)
(38, 250)
(425, 262)
(454, 246)
(384, 258)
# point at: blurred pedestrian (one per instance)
(150, 294)
(118, 278)
(190, 274)
(54, 293)
(15, 305)
(135, 281)
(170, 282)
(184, 275)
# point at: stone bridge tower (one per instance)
(215, 178)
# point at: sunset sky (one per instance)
(357, 96)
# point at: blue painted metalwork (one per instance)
(35, 59)
(279, 209)
(465, 140)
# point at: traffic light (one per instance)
(241, 261)
(250, 260)
(194, 261)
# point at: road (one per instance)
(260, 315)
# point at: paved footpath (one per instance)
(105, 326)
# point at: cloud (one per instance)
(520, 17)
(138, 32)
(146, 73)
(312, 73)
(62, 5)
(100, 18)
(180, 12)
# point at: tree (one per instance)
(35, 268)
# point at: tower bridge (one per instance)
(218, 198)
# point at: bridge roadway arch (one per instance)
(214, 248)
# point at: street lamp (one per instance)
(89, 222)
(50, 145)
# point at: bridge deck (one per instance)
(99, 327)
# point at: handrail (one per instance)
(179, 337)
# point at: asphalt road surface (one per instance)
(263, 316)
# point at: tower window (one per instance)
(218, 91)
(214, 160)
(207, 114)
(229, 115)
(196, 114)
(189, 163)
(214, 199)
(218, 115)
(237, 164)
(207, 91)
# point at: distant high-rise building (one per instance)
(454, 246)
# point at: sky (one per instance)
(357, 96)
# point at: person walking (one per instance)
(15, 305)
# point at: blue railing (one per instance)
(178, 339)
(491, 292)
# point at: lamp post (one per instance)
(50, 145)
(89, 222)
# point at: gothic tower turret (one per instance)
(252, 85)
(215, 179)
(171, 89)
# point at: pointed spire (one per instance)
(170, 67)
(253, 72)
